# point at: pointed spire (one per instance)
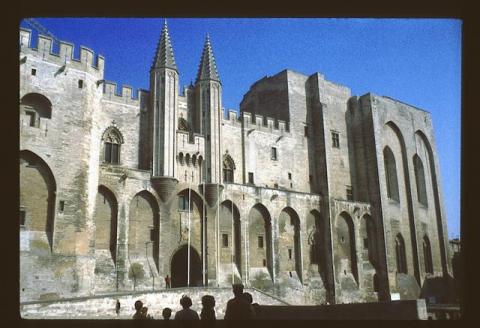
(208, 68)
(164, 55)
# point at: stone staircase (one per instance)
(103, 306)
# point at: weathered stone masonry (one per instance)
(311, 194)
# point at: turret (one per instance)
(208, 90)
(163, 105)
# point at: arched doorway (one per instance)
(179, 268)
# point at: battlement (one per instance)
(230, 117)
(264, 123)
(87, 61)
(124, 95)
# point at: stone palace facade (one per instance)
(310, 193)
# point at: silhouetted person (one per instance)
(117, 307)
(238, 307)
(145, 314)
(187, 317)
(167, 281)
(207, 316)
(138, 310)
(248, 297)
(166, 313)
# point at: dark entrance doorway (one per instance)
(179, 268)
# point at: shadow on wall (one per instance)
(437, 290)
(407, 287)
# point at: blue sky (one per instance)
(417, 61)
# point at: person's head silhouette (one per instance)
(208, 301)
(186, 302)
(167, 313)
(138, 305)
(237, 290)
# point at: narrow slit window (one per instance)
(61, 206)
(274, 154)
(289, 253)
(34, 72)
(250, 178)
(225, 240)
(23, 215)
(335, 140)
(80, 84)
(260, 241)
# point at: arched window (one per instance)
(420, 180)
(391, 174)
(112, 139)
(427, 255)
(182, 124)
(35, 106)
(228, 168)
(400, 254)
(180, 158)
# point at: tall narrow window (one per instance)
(400, 254)
(61, 206)
(112, 141)
(420, 180)
(225, 240)
(80, 84)
(34, 71)
(183, 203)
(427, 255)
(250, 178)
(391, 174)
(260, 241)
(289, 253)
(335, 139)
(274, 153)
(22, 217)
(306, 131)
(349, 193)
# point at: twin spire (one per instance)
(164, 57)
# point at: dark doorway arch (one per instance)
(179, 267)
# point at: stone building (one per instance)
(310, 193)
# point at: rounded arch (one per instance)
(400, 254)
(229, 211)
(37, 195)
(289, 254)
(143, 226)
(179, 267)
(346, 258)
(106, 221)
(200, 168)
(194, 160)
(187, 159)
(391, 176)
(36, 106)
(180, 158)
(260, 236)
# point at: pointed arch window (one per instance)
(182, 124)
(427, 255)
(228, 168)
(420, 180)
(391, 174)
(112, 141)
(400, 254)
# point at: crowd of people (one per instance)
(240, 307)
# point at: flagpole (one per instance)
(188, 250)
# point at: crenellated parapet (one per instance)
(87, 62)
(230, 117)
(265, 124)
(124, 95)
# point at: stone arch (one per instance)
(228, 168)
(400, 254)
(427, 255)
(106, 221)
(289, 254)
(317, 232)
(191, 205)
(229, 211)
(194, 160)
(200, 168)
(436, 198)
(112, 140)
(369, 242)
(179, 267)
(37, 195)
(391, 176)
(260, 236)
(143, 226)
(35, 106)
(408, 196)
(346, 258)
(420, 180)
(187, 159)
(180, 158)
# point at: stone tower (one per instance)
(164, 94)
(208, 90)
